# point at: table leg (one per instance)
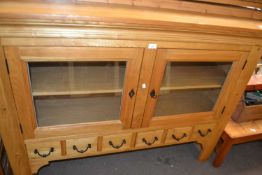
(223, 150)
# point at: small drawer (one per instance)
(120, 142)
(44, 150)
(81, 147)
(203, 131)
(149, 139)
(178, 135)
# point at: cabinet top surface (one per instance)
(124, 17)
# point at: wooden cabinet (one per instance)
(82, 89)
(73, 85)
(86, 90)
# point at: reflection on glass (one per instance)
(190, 87)
(76, 92)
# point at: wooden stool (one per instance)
(237, 133)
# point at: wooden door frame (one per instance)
(189, 55)
(9, 126)
(18, 57)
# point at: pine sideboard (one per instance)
(91, 79)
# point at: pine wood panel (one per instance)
(142, 92)
(149, 139)
(76, 42)
(115, 143)
(162, 58)
(241, 81)
(83, 146)
(9, 124)
(124, 16)
(217, 7)
(133, 56)
(178, 135)
(21, 89)
(133, 35)
(44, 148)
(240, 3)
(238, 130)
(203, 131)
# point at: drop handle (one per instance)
(82, 151)
(150, 143)
(179, 138)
(44, 155)
(153, 94)
(117, 146)
(204, 134)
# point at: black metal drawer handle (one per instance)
(82, 151)
(153, 94)
(179, 138)
(131, 93)
(44, 155)
(117, 146)
(204, 134)
(150, 143)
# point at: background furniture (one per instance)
(246, 123)
(237, 133)
(251, 109)
(85, 80)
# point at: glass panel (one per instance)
(190, 87)
(76, 92)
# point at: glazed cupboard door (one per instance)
(189, 86)
(58, 87)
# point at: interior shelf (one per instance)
(180, 76)
(186, 101)
(64, 93)
(64, 110)
(58, 79)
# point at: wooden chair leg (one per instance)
(223, 150)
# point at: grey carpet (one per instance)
(245, 159)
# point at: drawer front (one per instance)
(203, 131)
(149, 139)
(44, 150)
(114, 143)
(178, 135)
(81, 147)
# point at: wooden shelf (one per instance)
(186, 101)
(56, 79)
(213, 86)
(57, 111)
(243, 129)
(179, 76)
(64, 93)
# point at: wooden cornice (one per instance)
(12, 13)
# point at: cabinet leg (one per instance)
(208, 147)
(223, 150)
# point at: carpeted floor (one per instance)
(245, 159)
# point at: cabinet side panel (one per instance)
(9, 125)
(247, 69)
(21, 89)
